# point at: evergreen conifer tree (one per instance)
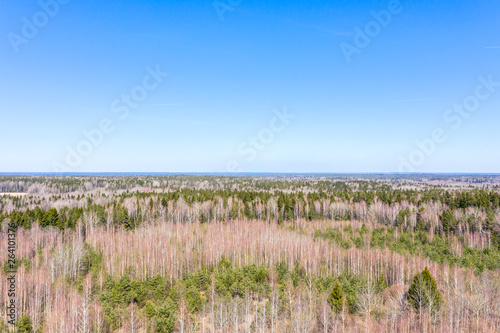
(449, 222)
(423, 292)
(24, 325)
(336, 298)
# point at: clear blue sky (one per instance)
(227, 76)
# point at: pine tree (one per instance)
(449, 222)
(423, 292)
(52, 218)
(380, 285)
(120, 217)
(234, 211)
(336, 298)
(403, 218)
(489, 222)
(24, 325)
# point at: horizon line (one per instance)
(157, 173)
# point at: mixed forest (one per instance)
(263, 253)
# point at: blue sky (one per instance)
(228, 77)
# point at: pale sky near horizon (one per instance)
(65, 68)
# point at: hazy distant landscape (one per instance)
(269, 253)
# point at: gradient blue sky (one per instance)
(227, 76)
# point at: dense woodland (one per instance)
(267, 253)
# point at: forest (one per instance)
(260, 253)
